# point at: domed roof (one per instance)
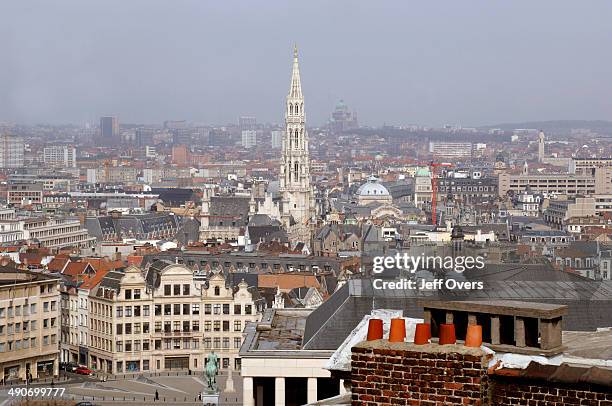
(372, 188)
(422, 172)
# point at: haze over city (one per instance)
(393, 62)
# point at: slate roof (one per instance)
(229, 210)
(589, 303)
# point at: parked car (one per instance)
(83, 371)
(69, 366)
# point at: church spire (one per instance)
(296, 86)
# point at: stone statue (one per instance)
(211, 371)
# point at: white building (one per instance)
(60, 156)
(451, 149)
(11, 151)
(277, 139)
(249, 138)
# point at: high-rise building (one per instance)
(247, 123)
(109, 128)
(249, 138)
(297, 194)
(11, 151)
(277, 139)
(61, 156)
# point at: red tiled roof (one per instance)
(92, 282)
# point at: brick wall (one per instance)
(385, 373)
(512, 391)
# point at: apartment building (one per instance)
(451, 149)
(560, 211)
(165, 319)
(60, 156)
(29, 324)
(560, 184)
(49, 232)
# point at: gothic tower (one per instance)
(294, 182)
(541, 152)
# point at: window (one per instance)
(33, 308)
(217, 342)
(177, 343)
(128, 346)
(167, 290)
(226, 309)
(45, 309)
(136, 293)
(2, 312)
(158, 311)
(46, 340)
(237, 342)
(195, 344)
(137, 346)
(128, 294)
(119, 329)
(186, 309)
(177, 309)
(207, 325)
(207, 343)
(128, 311)
(128, 328)
(225, 343)
(237, 325)
(158, 344)
(167, 310)
(186, 325)
(167, 327)
(226, 325)
(217, 291)
(248, 309)
(237, 309)
(136, 311)
(168, 344)
(145, 328)
(207, 309)
(158, 326)
(195, 325)
(177, 290)
(45, 324)
(186, 289)
(217, 309)
(145, 362)
(137, 328)
(217, 325)
(195, 309)
(176, 325)
(17, 310)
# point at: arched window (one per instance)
(290, 108)
(297, 137)
(217, 291)
(297, 109)
(296, 171)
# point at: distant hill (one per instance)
(559, 126)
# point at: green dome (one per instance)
(422, 172)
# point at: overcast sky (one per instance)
(395, 62)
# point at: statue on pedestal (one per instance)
(211, 372)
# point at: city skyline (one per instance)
(408, 64)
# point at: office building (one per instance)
(60, 156)
(109, 128)
(451, 149)
(249, 138)
(29, 325)
(11, 151)
(277, 139)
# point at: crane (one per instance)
(434, 186)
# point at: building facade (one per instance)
(11, 151)
(29, 325)
(165, 319)
(60, 156)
